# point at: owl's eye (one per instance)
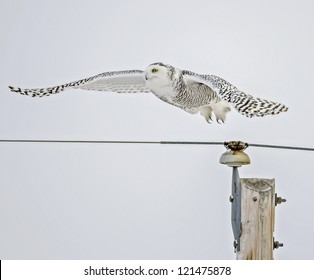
(154, 70)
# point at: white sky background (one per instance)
(63, 201)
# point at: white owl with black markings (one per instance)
(192, 92)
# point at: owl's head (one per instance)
(160, 73)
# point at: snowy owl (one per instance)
(192, 92)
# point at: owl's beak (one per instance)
(146, 77)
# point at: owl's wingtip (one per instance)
(14, 89)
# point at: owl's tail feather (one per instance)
(255, 107)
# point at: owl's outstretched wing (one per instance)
(130, 81)
(245, 104)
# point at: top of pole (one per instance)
(234, 156)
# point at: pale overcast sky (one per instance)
(63, 201)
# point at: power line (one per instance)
(249, 144)
(282, 147)
(108, 142)
(78, 141)
(148, 142)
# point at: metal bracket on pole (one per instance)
(236, 208)
(235, 157)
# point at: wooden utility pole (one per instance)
(258, 217)
(253, 208)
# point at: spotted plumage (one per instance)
(192, 92)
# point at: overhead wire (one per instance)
(149, 142)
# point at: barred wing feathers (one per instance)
(130, 81)
(245, 104)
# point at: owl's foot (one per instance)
(206, 112)
(220, 110)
